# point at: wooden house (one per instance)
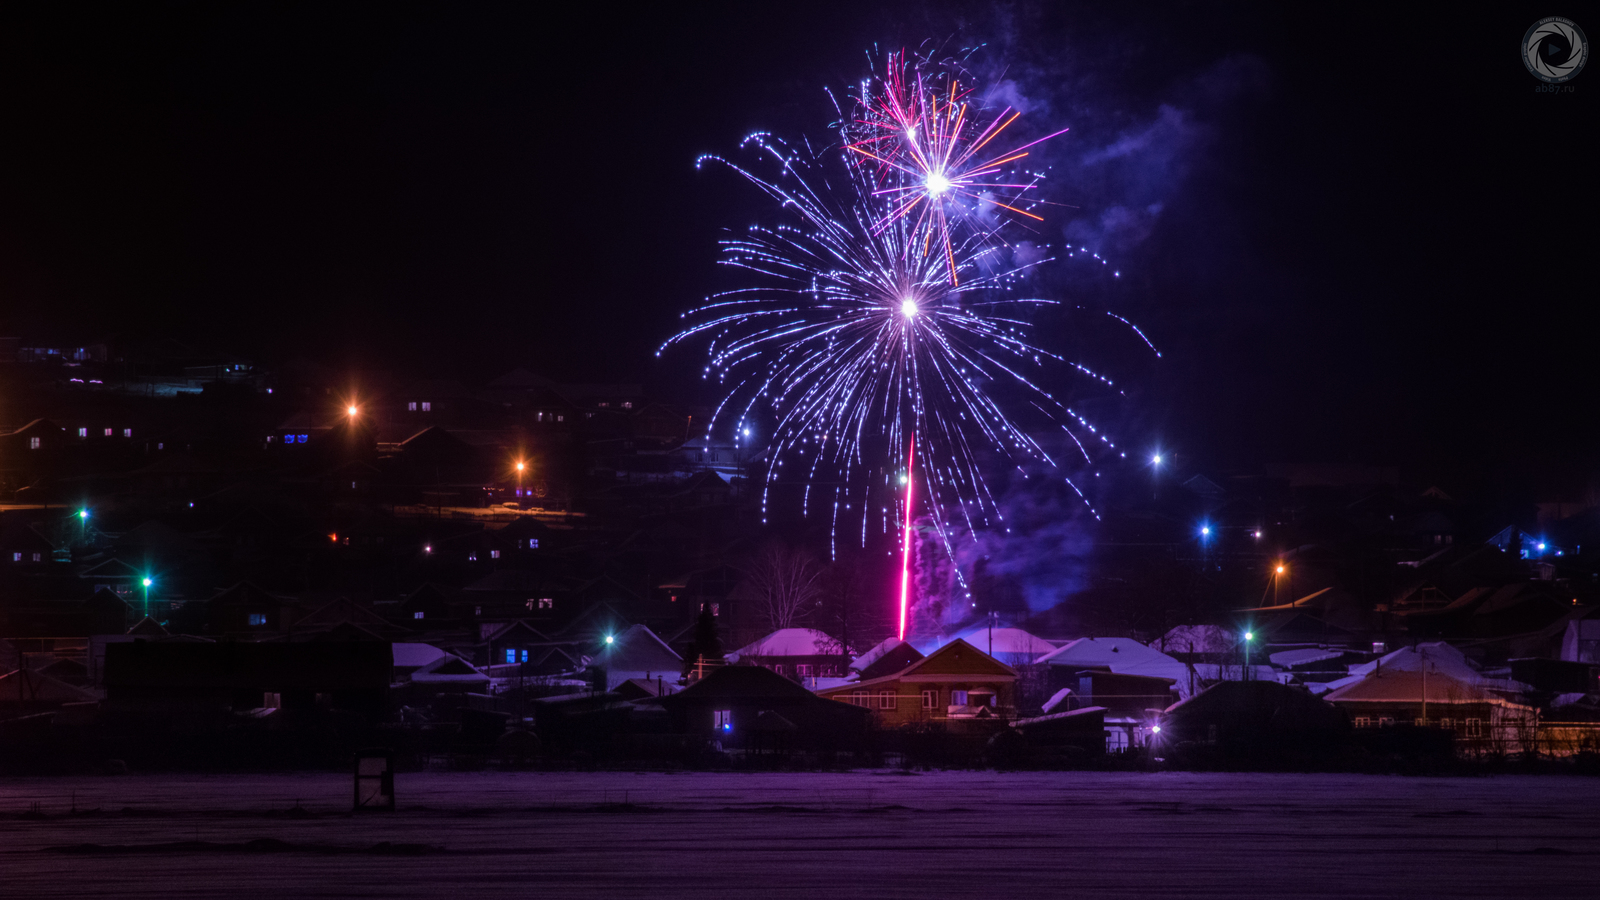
(955, 684)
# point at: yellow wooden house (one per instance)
(957, 682)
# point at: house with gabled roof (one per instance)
(637, 653)
(726, 705)
(955, 684)
(343, 611)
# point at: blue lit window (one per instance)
(258, 618)
(302, 439)
(511, 655)
(722, 719)
(524, 656)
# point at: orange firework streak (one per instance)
(905, 560)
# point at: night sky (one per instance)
(1355, 237)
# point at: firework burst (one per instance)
(883, 319)
(945, 155)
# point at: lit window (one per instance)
(258, 618)
(36, 557)
(35, 443)
(419, 614)
(627, 404)
(511, 655)
(716, 609)
(16, 557)
(472, 557)
(83, 432)
(108, 432)
(722, 719)
(605, 404)
(494, 554)
(958, 698)
(886, 700)
(930, 699)
(427, 406)
(127, 432)
(477, 610)
(412, 406)
(547, 603)
(561, 418)
(302, 439)
(524, 656)
(533, 543)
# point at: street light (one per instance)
(1248, 637)
(147, 582)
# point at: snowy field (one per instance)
(834, 836)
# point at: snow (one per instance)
(415, 656)
(1056, 699)
(876, 653)
(791, 642)
(1124, 656)
(1009, 644)
(1287, 658)
(1441, 658)
(797, 836)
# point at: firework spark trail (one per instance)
(866, 329)
(931, 137)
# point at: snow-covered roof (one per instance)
(1056, 699)
(791, 642)
(415, 656)
(1304, 656)
(1409, 686)
(1013, 641)
(875, 654)
(1439, 656)
(449, 669)
(1320, 689)
(1125, 656)
(638, 649)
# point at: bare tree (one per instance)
(784, 583)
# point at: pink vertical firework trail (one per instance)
(905, 559)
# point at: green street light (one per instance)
(83, 514)
(147, 582)
(1248, 637)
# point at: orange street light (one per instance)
(352, 411)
